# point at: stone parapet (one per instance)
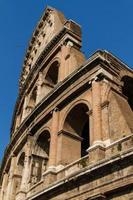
(85, 165)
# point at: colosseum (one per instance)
(72, 127)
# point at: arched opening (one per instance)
(49, 78)
(32, 100)
(86, 140)
(77, 125)
(127, 89)
(52, 74)
(20, 167)
(21, 163)
(40, 156)
(43, 142)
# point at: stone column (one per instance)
(39, 88)
(4, 186)
(66, 63)
(24, 114)
(96, 99)
(10, 186)
(26, 172)
(68, 59)
(97, 150)
(54, 136)
(63, 63)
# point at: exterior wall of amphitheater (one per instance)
(72, 129)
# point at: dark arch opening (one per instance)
(43, 141)
(77, 123)
(21, 163)
(20, 168)
(52, 74)
(40, 156)
(86, 140)
(127, 89)
(21, 160)
(32, 100)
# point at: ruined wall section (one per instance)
(62, 57)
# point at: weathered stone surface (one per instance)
(72, 131)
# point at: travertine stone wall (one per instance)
(71, 136)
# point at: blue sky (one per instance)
(105, 25)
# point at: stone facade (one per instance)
(72, 128)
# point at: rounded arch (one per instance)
(52, 74)
(20, 163)
(76, 123)
(40, 155)
(42, 129)
(45, 68)
(42, 144)
(52, 61)
(20, 168)
(127, 89)
(125, 73)
(76, 102)
(21, 153)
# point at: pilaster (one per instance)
(97, 119)
(63, 62)
(39, 88)
(24, 114)
(68, 59)
(89, 113)
(54, 135)
(67, 65)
